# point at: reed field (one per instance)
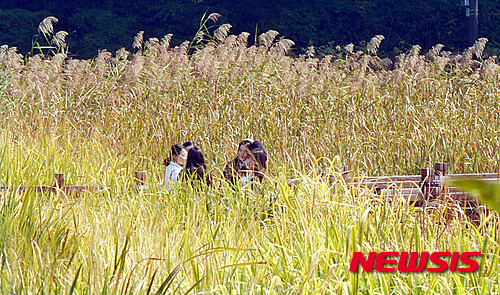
(97, 121)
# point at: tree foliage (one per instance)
(112, 24)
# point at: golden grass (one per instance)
(99, 120)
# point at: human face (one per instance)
(181, 158)
(242, 153)
(250, 163)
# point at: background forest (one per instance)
(110, 24)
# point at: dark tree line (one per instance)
(111, 24)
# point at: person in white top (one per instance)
(178, 158)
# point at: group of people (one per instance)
(249, 165)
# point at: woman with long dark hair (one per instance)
(256, 164)
(196, 166)
(235, 169)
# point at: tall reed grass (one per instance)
(99, 120)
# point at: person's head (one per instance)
(244, 149)
(188, 145)
(178, 154)
(257, 145)
(196, 167)
(195, 158)
(257, 161)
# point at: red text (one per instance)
(414, 261)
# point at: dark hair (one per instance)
(175, 150)
(260, 157)
(257, 145)
(196, 166)
(188, 144)
(246, 143)
(195, 158)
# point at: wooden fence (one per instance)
(60, 186)
(430, 185)
(419, 189)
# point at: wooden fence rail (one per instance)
(429, 185)
(60, 185)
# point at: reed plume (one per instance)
(374, 44)
(59, 40)
(138, 40)
(242, 39)
(220, 34)
(46, 26)
(266, 39)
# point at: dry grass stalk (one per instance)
(349, 48)
(325, 63)
(46, 26)
(153, 47)
(165, 42)
(231, 41)
(199, 37)
(138, 40)
(266, 39)
(282, 46)
(101, 64)
(435, 51)
(374, 44)
(59, 40)
(310, 52)
(135, 68)
(242, 39)
(122, 54)
(220, 34)
(490, 69)
(478, 47)
(214, 17)
(183, 48)
(10, 58)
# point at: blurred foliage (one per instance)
(112, 24)
(92, 30)
(487, 192)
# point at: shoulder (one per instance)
(173, 167)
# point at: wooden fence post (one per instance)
(440, 170)
(426, 178)
(140, 177)
(59, 183)
(345, 173)
(59, 180)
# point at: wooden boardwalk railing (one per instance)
(419, 189)
(60, 186)
(430, 185)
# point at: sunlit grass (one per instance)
(99, 122)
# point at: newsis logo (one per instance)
(415, 262)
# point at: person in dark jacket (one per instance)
(235, 169)
(256, 166)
